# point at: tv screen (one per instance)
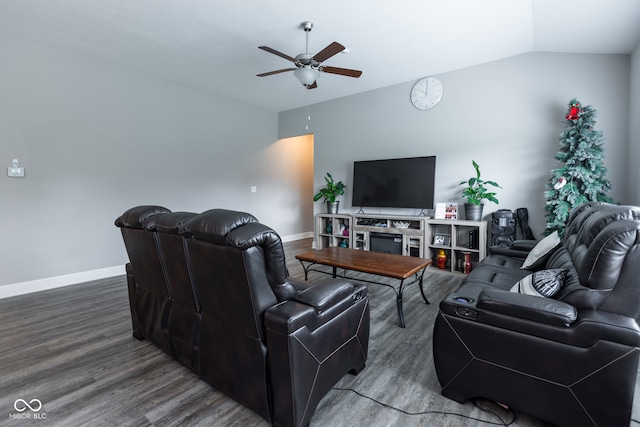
(394, 183)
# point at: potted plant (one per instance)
(476, 191)
(329, 194)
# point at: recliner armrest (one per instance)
(537, 309)
(290, 288)
(314, 306)
(517, 249)
(325, 295)
(524, 245)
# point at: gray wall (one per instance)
(507, 115)
(634, 129)
(96, 139)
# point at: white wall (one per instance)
(507, 115)
(96, 139)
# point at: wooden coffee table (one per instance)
(377, 263)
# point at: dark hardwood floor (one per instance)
(72, 350)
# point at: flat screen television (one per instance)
(394, 183)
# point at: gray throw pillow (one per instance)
(541, 251)
(543, 283)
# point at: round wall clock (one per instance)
(426, 93)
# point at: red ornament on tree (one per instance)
(574, 112)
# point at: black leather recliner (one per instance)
(571, 359)
(212, 291)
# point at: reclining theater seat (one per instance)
(230, 312)
(184, 320)
(149, 295)
(570, 359)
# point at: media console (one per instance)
(405, 235)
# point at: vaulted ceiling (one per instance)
(213, 44)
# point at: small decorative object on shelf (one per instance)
(441, 259)
(467, 262)
(329, 228)
(446, 211)
(401, 224)
(442, 240)
(344, 244)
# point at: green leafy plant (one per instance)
(475, 190)
(331, 191)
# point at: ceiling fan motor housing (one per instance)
(305, 59)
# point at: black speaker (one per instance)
(503, 228)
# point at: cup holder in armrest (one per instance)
(461, 299)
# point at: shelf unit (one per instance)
(455, 240)
(415, 234)
(332, 230)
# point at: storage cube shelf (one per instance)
(459, 241)
(333, 230)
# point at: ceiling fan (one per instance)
(307, 66)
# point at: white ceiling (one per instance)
(213, 44)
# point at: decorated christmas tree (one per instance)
(582, 178)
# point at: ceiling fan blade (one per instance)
(269, 73)
(328, 52)
(275, 52)
(342, 71)
(313, 85)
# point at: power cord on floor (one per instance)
(489, 411)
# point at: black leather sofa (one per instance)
(570, 359)
(212, 291)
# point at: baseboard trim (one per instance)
(22, 288)
(299, 236)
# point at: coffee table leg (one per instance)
(306, 271)
(399, 306)
(424, 297)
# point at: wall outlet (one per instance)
(15, 172)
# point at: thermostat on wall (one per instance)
(15, 170)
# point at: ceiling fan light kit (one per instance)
(306, 75)
(308, 66)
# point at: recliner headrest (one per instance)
(169, 223)
(598, 221)
(599, 240)
(578, 216)
(214, 225)
(136, 217)
(254, 234)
